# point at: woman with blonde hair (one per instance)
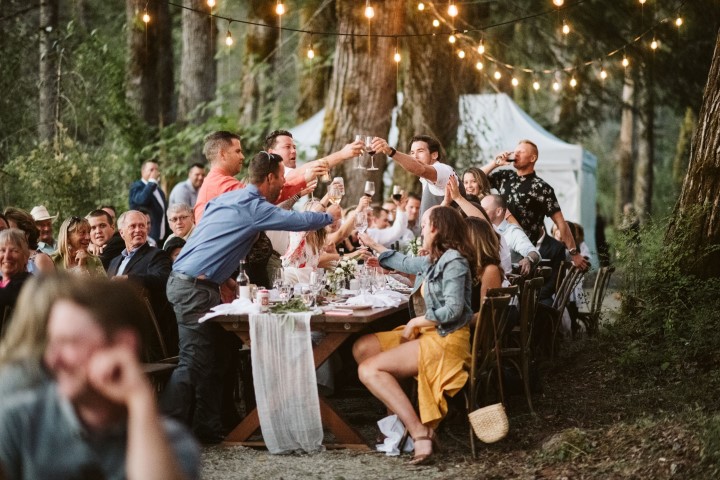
(72, 254)
(14, 254)
(38, 262)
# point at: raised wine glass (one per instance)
(359, 164)
(361, 223)
(397, 192)
(370, 151)
(369, 188)
(334, 194)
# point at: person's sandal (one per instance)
(426, 458)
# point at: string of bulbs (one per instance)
(454, 36)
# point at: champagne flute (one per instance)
(370, 151)
(370, 188)
(334, 194)
(359, 159)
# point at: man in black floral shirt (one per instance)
(528, 197)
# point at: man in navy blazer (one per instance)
(148, 268)
(147, 193)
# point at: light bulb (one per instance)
(556, 85)
(311, 53)
(396, 57)
(421, 6)
(573, 82)
(280, 8)
(654, 44)
(479, 65)
(536, 85)
(369, 11)
(211, 3)
(146, 18)
(565, 28)
(642, 2)
(678, 21)
(436, 23)
(603, 74)
(452, 10)
(558, 3)
(461, 53)
(497, 75)
(229, 39)
(514, 82)
(481, 48)
(625, 62)
(452, 39)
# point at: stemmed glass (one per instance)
(370, 187)
(317, 283)
(335, 194)
(359, 164)
(361, 223)
(370, 151)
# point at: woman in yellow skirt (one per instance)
(434, 347)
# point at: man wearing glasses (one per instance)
(182, 220)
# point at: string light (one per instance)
(280, 8)
(679, 21)
(310, 53)
(452, 38)
(603, 73)
(461, 54)
(556, 85)
(497, 75)
(211, 3)
(565, 28)
(642, 2)
(436, 23)
(421, 6)
(479, 65)
(515, 82)
(536, 85)
(481, 47)
(573, 82)
(146, 17)
(228, 38)
(558, 3)
(369, 10)
(452, 9)
(625, 62)
(654, 44)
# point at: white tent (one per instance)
(491, 123)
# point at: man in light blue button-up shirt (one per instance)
(228, 228)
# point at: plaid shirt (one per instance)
(528, 198)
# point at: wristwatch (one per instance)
(573, 252)
(392, 152)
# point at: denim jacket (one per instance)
(448, 286)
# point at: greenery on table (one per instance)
(291, 306)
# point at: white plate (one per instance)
(345, 306)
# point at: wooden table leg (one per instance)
(345, 435)
(244, 429)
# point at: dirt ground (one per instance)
(590, 422)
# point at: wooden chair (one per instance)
(519, 353)
(484, 356)
(571, 276)
(159, 370)
(591, 318)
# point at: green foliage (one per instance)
(668, 322)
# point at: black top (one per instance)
(9, 294)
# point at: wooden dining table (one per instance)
(337, 328)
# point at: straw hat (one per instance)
(40, 213)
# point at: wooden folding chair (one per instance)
(553, 314)
(159, 370)
(485, 358)
(519, 354)
(591, 318)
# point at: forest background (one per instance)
(90, 90)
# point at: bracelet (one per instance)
(573, 251)
(392, 152)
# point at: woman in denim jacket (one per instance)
(435, 346)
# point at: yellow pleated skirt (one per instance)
(443, 366)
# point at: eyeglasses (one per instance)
(178, 218)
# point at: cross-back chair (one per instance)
(591, 318)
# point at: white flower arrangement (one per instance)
(344, 271)
(413, 247)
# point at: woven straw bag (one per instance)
(490, 423)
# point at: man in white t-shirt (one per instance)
(426, 161)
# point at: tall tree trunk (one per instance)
(315, 73)
(198, 76)
(430, 89)
(682, 152)
(49, 77)
(701, 188)
(645, 146)
(259, 63)
(165, 65)
(626, 148)
(362, 89)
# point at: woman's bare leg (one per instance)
(366, 347)
(380, 374)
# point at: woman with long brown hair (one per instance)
(434, 346)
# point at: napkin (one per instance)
(378, 299)
(239, 306)
(393, 430)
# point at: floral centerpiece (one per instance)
(342, 274)
(414, 246)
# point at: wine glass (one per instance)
(359, 159)
(285, 292)
(278, 279)
(306, 294)
(371, 152)
(340, 182)
(370, 188)
(397, 193)
(361, 223)
(334, 194)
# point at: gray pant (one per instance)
(203, 358)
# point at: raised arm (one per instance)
(406, 161)
(569, 241)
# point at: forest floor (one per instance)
(592, 421)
